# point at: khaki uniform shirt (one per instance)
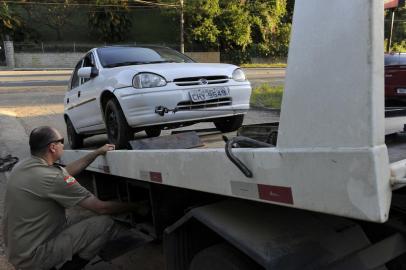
(36, 197)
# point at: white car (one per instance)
(122, 90)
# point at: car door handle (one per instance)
(388, 76)
(78, 93)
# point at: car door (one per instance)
(88, 99)
(71, 97)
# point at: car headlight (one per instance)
(148, 80)
(238, 75)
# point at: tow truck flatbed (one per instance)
(328, 195)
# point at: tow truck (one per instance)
(328, 195)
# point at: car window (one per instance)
(402, 59)
(391, 60)
(124, 56)
(172, 55)
(75, 77)
(88, 61)
(395, 59)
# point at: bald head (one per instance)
(40, 137)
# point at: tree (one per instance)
(235, 25)
(267, 26)
(110, 20)
(13, 25)
(9, 21)
(200, 18)
(238, 26)
(399, 29)
(290, 6)
(56, 15)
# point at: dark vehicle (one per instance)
(395, 79)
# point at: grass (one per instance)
(267, 96)
(274, 65)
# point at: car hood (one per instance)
(170, 71)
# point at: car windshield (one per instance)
(395, 59)
(125, 56)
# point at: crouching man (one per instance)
(37, 233)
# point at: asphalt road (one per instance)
(257, 76)
(33, 98)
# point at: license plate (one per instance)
(401, 90)
(204, 94)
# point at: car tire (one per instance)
(153, 132)
(222, 257)
(229, 124)
(118, 131)
(75, 140)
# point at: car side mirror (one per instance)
(88, 72)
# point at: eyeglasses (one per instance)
(62, 140)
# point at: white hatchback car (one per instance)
(122, 90)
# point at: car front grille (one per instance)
(200, 80)
(189, 105)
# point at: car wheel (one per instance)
(118, 131)
(229, 124)
(222, 257)
(153, 132)
(75, 140)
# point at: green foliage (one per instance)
(235, 25)
(110, 23)
(279, 40)
(399, 33)
(399, 29)
(241, 27)
(399, 46)
(267, 65)
(199, 16)
(267, 96)
(13, 25)
(9, 22)
(56, 15)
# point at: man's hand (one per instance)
(105, 148)
(77, 166)
(112, 207)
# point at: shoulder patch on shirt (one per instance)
(70, 180)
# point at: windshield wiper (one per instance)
(129, 63)
(160, 61)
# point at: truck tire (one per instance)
(75, 140)
(222, 257)
(153, 132)
(118, 131)
(229, 124)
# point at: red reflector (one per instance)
(155, 177)
(275, 194)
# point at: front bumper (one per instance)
(139, 105)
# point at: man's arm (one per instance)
(92, 203)
(79, 165)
